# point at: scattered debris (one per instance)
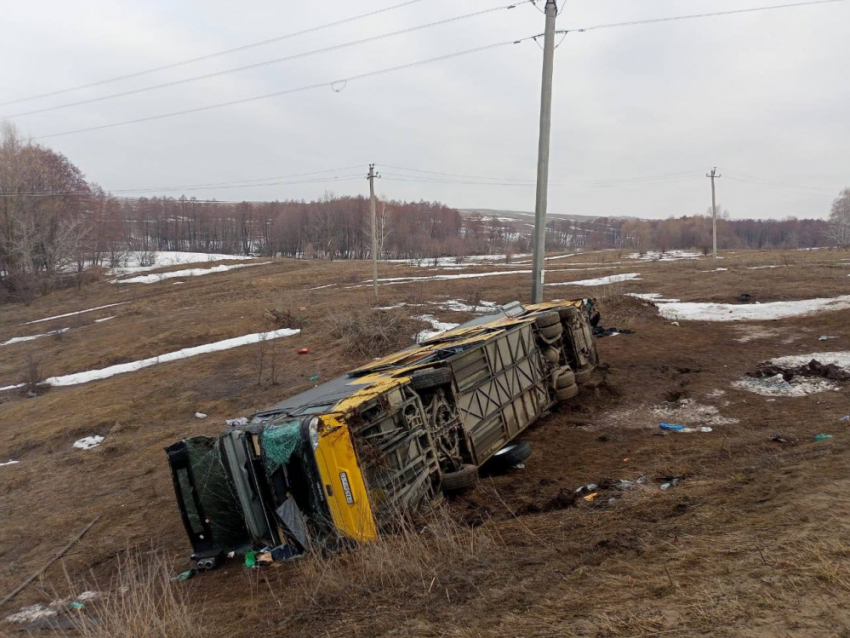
(682, 428)
(88, 442)
(184, 576)
(9, 462)
(599, 332)
(845, 418)
(200, 415)
(304, 350)
(826, 337)
(823, 437)
(776, 386)
(313, 377)
(235, 423)
(589, 498)
(779, 439)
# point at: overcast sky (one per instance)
(764, 96)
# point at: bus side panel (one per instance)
(344, 486)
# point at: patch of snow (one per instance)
(442, 262)
(752, 333)
(838, 359)
(40, 611)
(185, 353)
(439, 327)
(654, 297)
(715, 270)
(692, 311)
(165, 258)
(690, 412)
(190, 272)
(200, 415)
(104, 319)
(762, 267)
(316, 288)
(32, 337)
(88, 442)
(600, 281)
(670, 255)
(9, 462)
(458, 306)
(776, 386)
(716, 394)
(405, 280)
(71, 314)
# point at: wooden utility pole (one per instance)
(543, 154)
(713, 175)
(374, 235)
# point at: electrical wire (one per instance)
(265, 63)
(299, 89)
(526, 181)
(696, 15)
(209, 56)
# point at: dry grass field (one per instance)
(753, 540)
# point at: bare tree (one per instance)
(839, 219)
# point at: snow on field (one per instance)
(692, 311)
(79, 312)
(9, 462)
(189, 272)
(405, 280)
(88, 442)
(465, 262)
(438, 327)
(715, 270)
(670, 255)
(17, 386)
(459, 306)
(185, 353)
(654, 297)
(32, 337)
(776, 386)
(601, 281)
(165, 258)
(762, 267)
(838, 359)
(104, 319)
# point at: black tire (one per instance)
(564, 378)
(583, 376)
(547, 318)
(564, 394)
(463, 479)
(512, 454)
(551, 333)
(431, 378)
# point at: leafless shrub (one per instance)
(146, 257)
(416, 296)
(473, 295)
(141, 602)
(371, 332)
(286, 318)
(34, 374)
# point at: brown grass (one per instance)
(142, 602)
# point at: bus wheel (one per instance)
(463, 479)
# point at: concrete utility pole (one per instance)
(374, 237)
(713, 175)
(543, 154)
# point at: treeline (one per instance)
(55, 226)
(688, 232)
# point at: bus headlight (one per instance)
(313, 429)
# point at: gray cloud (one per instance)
(763, 96)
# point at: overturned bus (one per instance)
(338, 462)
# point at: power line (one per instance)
(214, 55)
(257, 65)
(299, 89)
(531, 180)
(696, 15)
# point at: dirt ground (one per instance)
(753, 539)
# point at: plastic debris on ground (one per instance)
(313, 377)
(586, 488)
(823, 437)
(682, 428)
(89, 442)
(250, 558)
(779, 439)
(304, 351)
(845, 418)
(589, 498)
(235, 423)
(200, 415)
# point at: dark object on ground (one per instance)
(813, 368)
(599, 331)
(779, 439)
(464, 478)
(509, 456)
(745, 297)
